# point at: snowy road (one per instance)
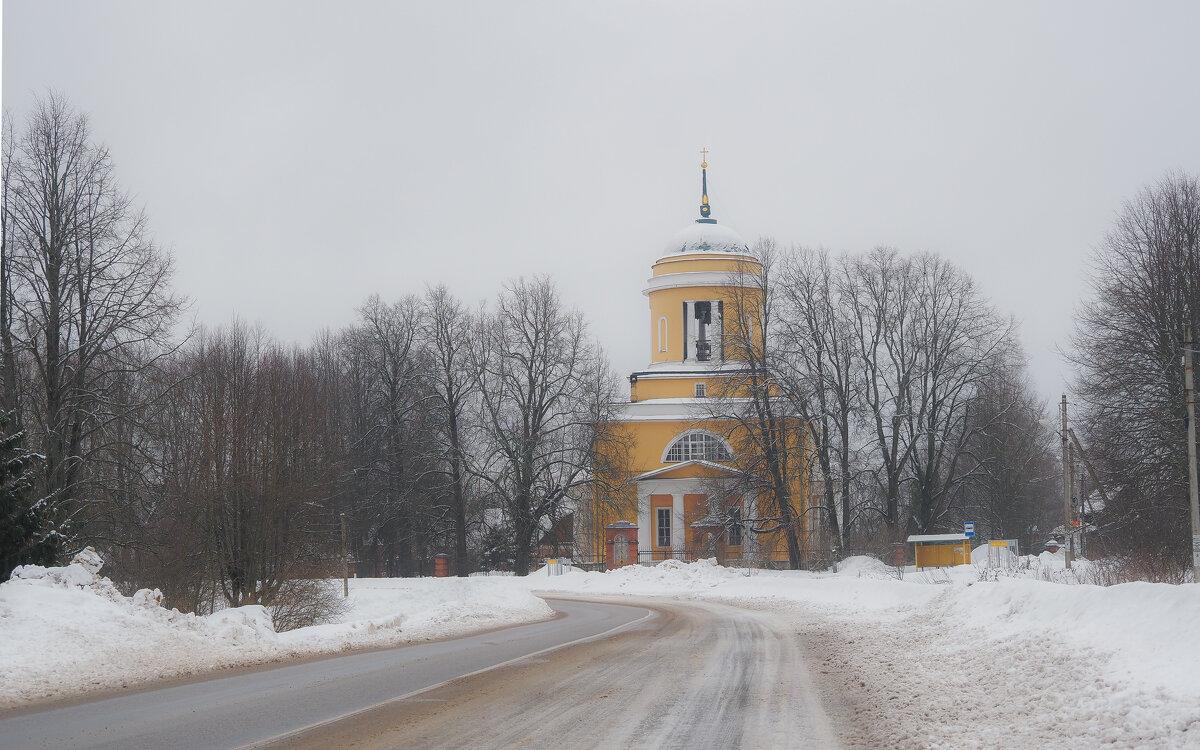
(243, 709)
(699, 675)
(688, 674)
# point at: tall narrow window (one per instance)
(664, 527)
(662, 334)
(735, 527)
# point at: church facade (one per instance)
(687, 493)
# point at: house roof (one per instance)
(938, 538)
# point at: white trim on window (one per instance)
(662, 526)
(662, 334)
(701, 390)
(697, 445)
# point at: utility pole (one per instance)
(1189, 398)
(1072, 552)
(345, 572)
(1066, 462)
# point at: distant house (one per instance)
(559, 541)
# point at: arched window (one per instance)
(662, 334)
(698, 445)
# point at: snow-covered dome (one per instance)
(707, 236)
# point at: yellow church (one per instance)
(685, 493)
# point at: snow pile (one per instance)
(66, 630)
(958, 658)
(861, 584)
(668, 577)
(394, 611)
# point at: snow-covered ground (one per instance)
(960, 658)
(68, 630)
(968, 658)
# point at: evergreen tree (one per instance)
(23, 539)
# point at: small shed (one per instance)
(940, 550)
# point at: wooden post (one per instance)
(345, 572)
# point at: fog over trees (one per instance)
(220, 464)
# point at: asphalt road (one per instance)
(248, 708)
(696, 676)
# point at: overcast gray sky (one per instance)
(298, 156)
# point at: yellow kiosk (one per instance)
(940, 550)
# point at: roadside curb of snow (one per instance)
(67, 631)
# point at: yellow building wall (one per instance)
(651, 388)
(693, 263)
(646, 443)
(668, 303)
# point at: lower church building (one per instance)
(687, 490)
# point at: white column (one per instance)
(678, 533)
(644, 521)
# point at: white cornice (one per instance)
(689, 371)
(688, 410)
(698, 278)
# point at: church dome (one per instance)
(707, 236)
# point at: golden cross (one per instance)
(704, 157)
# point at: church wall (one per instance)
(666, 315)
(722, 273)
(695, 507)
(693, 263)
(668, 304)
(685, 387)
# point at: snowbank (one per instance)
(66, 630)
(958, 658)
(965, 658)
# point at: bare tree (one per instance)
(818, 374)
(10, 391)
(448, 329)
(958, 340)
(87, 291)
(391, 442)
(247, 463)
(1126, 347)
(545, 389)
(768, 440)
(1016, 481)
(879, 292)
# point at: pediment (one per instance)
(696, 469)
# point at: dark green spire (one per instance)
(705, 209)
